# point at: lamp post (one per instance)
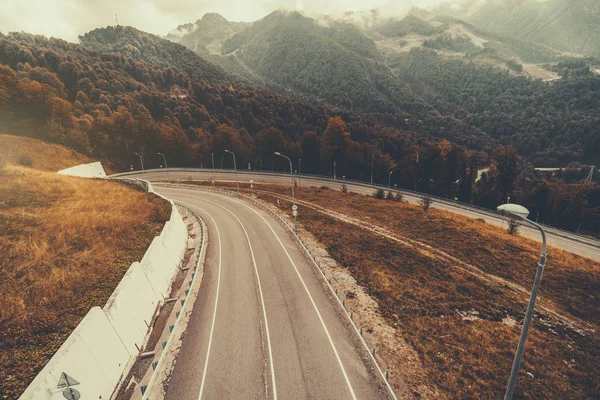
(141, 162)
(299, 170)
(372, 163)
(390, 179)
(334, 165)
(235, 167)
(521, 213)
(166, 167)
(212, 156)
(291, 173)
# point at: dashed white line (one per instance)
(337, 356)
(212, 328)
(262, 300)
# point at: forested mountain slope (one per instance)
(551, 124)
(122, 91)
(568, 25)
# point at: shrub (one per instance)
(389, 195)
(398, 197)
(344, 188)
(379, 194)
(25, 160)
(513, 226)
(426, 202)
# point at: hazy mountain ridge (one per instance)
(567, 25)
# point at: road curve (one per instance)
(587, 248)
(262, 326)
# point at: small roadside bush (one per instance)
(389, 195)
(399, 197)
(344, 188)
(426, 202)
(25, 160)
(379, 194)
(513, 226)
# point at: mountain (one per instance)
(568, 25)
(206, 35)
(334, 64)
(439, 75)
(121, 91)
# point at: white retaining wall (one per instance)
(91, 170)
(107, 339)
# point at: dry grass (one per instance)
(65, 244)
(45, 156)
(423, 295)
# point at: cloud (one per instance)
(67, 19)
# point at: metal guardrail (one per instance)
(382, 374)
(202, 248)
(441, 200)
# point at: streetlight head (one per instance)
(514, 210)
(277, 153)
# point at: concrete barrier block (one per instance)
(91, 170)
(93, 355)
(158, 267)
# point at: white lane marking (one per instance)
(337, 356)
(212, 328)
(262, 300)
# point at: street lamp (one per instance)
(212, 155)
(167, 168)
(299, 170)
(141, 162)
(235, 167)
(291, 173)
(390, 179)
(372, 163)
(334, 165)
(521, 213)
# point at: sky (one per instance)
(66, 19)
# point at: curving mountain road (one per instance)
(262, 326)
(570, 242)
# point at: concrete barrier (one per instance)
(91, 170)
(105, 342)
(93, 354)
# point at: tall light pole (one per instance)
(291, 173)
(334, 165)
(390, 179)
(299, 170)
(212, 155)
(235, 167)
(141, 162)
(521, 213)
(372, 163)
(166, 167)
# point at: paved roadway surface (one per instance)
(262, 326)
(584, 249)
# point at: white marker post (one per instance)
(295, 214)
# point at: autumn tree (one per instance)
(336, 143)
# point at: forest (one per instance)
(121, 91)
(549, 123)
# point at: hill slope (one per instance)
(65, 244)
(568, 25)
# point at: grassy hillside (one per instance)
(38, 154)
(454, 288)
(65, 243)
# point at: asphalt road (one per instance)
(588, 250)
(262, 326)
